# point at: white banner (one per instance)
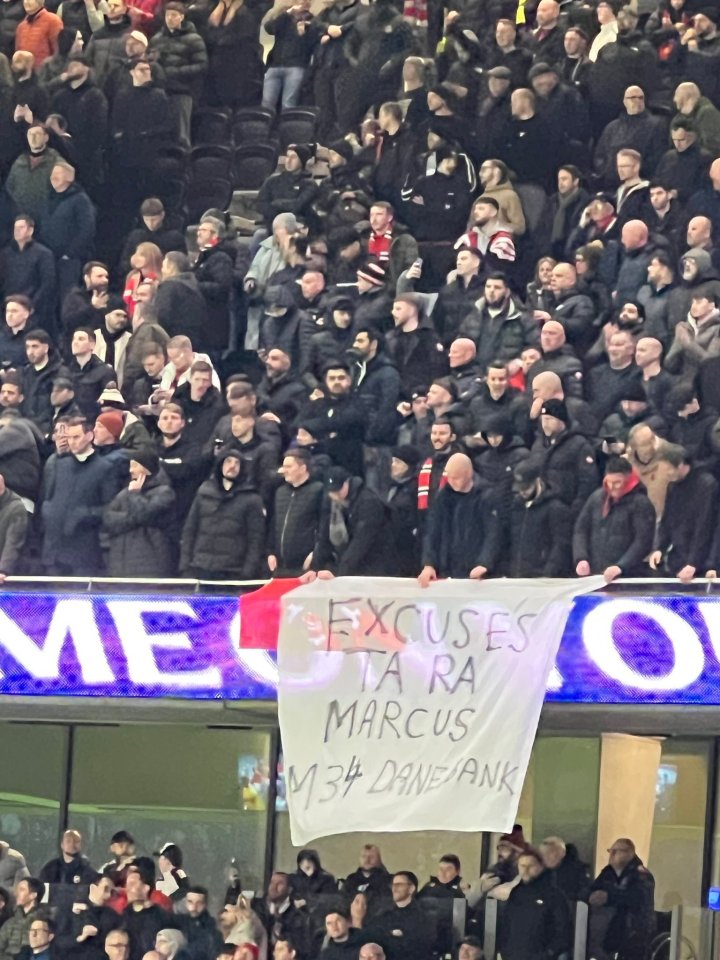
(410, 709)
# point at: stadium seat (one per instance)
(252, 165)
(210, 161)
(210, 126)
(252, 125)
(296, 125)
(206, 193)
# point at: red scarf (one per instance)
(631, 481)
(424, 478)
(379, 245)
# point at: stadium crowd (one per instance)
(122, 912)
(472, 331)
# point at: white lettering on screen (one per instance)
(73, 619)
(140, 646)
(688, 656)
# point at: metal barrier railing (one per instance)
(699, 585)
(668, 946)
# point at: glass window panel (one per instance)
(33, 758)
(201, 788)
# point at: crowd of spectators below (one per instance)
(120, 911)
(475, 331)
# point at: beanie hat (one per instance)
(447, 384)
(147, 458)
(557, 409)
(538, 69)
(408, 454)
(113, 422)
(111, 397)
(633, 390)
(139, 37)
(343, 148)
(373, 273)
(305, 151)
(515, 838)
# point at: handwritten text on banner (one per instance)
(409, 709)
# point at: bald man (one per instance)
(464, 369)
(699, 233)
(656, 381)
(573, 309)
(546, 41)
(463, 537)
(636, 256)
(548, 386)
(559, 357)
(706, 118)
(635, 127)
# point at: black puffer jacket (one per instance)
(540, 533)
(225, 529)
(368, 552)
(182, 55)
(11, 13)
(568, 466)
(295, 526)
(135, 524)
(619, 536)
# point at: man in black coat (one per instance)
(181, 52)
(296, 518)
(627, 888)
(75, 933)
(292, 190)
(279, 392)
(404, 929)
(183, 461)
(155, 230)
(338, 419)
(615, 529)
(565, 868)
(540, 527)
(214, 274)
(463, 536)
(180, 306)
(607, 381)
(537, 916)
(42, 367)
(204, 940)
(352, 540)
(202, 402)
(377, 385)
(84, 107)
(372, 879)
(88, 372)
(565, 456)
(688, 520)
(413, 345)
(142, 918)
(28, 267)
(402, 499)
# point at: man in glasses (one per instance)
(623, 896)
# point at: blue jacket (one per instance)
(68, 227)
(76, 493)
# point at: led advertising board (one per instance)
(663, 650)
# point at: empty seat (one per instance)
(252, 125)
(252, 165)
(210, 160)
(206, 193)
(296, 125)
(211, 126)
